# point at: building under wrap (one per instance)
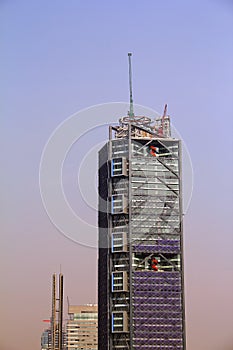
(141, 282)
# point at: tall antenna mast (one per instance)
(131, 113)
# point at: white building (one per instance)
(82, 327)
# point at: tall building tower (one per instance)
(53, 338)
(57, 341)
(140, 279)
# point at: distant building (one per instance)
(46, 339)
(53, 338)
(82, 327)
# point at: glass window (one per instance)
(118, 204)
(118, 167)
(119, 281)
(119, 242)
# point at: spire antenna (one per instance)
(131, 112)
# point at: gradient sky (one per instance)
(58, 57)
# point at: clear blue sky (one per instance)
(58, 57)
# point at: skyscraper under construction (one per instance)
(141, 278)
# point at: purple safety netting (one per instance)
(157, 310)
(157, 248)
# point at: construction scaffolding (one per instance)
(143, 223)
(141, 275)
